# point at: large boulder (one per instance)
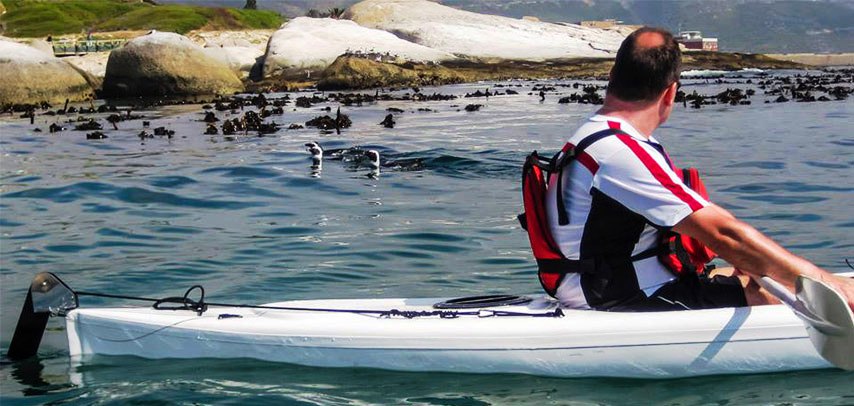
(41, 45)
(166, 64)
(32, 76)
(481, 36)
(305, 45)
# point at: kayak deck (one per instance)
(582, 343)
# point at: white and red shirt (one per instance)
(620, 194)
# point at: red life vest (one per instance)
(681, 254)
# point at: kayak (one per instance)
(530, 335)
(582, 343)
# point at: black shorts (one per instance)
(691, 293)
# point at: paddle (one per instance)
(829, 320)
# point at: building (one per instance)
(694, 40)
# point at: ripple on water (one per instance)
(133, 244)
(171, 181)
(175, 230)
(797, 187)
(135, 195)
(408, 254)
(505, 261)
(140, 195)
(784, 200)
(294, 230)
(24, 237)
(89, 207)
(243, 172)
(827, 165)
(800, 217)
(845, 143)
(66, 248)
(819, 244)
(440, 237)
(771, 165)
(274, 214)
(111, 232)
(439, 247)
(28, 179)
(246, 189)
(9, 223)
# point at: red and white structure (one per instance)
(695, 40)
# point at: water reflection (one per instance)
(208, 381)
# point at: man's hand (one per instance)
(843, 285)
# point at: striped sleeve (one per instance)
(638, 177)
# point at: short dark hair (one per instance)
(641, 73)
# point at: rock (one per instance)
(95, 63)
(329, 123)
(41, 45)
(88, 126)
(241, 38)
(474, 35)
(388, 121)
(164, 132)
(349, 72)
(241, 60)
(306, 45)
(32, 76)
(166, 64)
(227, 42)
(97, 135)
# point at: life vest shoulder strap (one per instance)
(569, 153)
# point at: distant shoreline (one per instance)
(818, 60)
(351, 73)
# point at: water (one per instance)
(249, 220)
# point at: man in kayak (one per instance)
(621, 193)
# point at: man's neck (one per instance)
(642, 116)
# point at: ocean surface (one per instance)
(249, 219)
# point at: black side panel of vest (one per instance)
(610, 235)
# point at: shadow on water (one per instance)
(107, 379)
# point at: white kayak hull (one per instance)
(580, 344)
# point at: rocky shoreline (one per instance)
(368, 51)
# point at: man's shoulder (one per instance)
(602, 146)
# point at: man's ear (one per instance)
(670, 94)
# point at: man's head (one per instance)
(647, 63)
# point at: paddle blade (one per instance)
(826, 303)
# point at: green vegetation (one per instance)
(40, 18)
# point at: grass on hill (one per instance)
(40, 18)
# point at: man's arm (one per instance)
(754, 253)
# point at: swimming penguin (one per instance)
(316, 158)
(373, 158)
(315, 150)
